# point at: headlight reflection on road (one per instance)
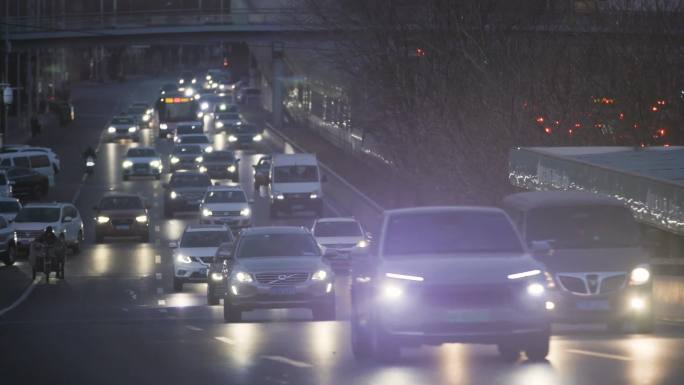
(248, 340)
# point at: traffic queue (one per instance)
(430, 275)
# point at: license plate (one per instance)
(468, 316)
(287, 290)
(194, 201)
(123, 227)
(297, 207)
(593, 305)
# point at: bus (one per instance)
(177, 109)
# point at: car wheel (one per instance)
(177, 285)
(231, 314)
(509, 351)
(644, 325)
(537, 347)
(361, 341)
(324, 312)
(126, 178)
(99, 238)
(212, 298)
(10, 255)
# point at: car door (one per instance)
(6, 234)
(74, 226)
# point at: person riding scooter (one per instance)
(89, 156)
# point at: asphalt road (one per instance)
(116, 320)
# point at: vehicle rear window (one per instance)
(190, 180)
(278, 245)
(337, 229)
(141, 153)
(583, 227)
(450, 233)
(40, 161)
(194, 139)
(22, 161)
(225, 197)
(9, 207)
(38, 214)
(121, 203)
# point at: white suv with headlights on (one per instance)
(340, 234)
(31, 221)
(448, 274)
(142, 161)
(276, 268)
(195, 251)
(123, 127)
(227, 205)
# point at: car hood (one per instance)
(122, 213)
(219, 163)
(338, 240)
(225, 206)
(466, 268)
(593, 260)
(281, 264)
(187, 189)
(197, 251)
(9, 217)
(33, 225)
(140, 159)
(303, 187)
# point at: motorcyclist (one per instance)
(89, 153)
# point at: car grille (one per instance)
(226, 213)
(297, 196)
(613, 283)
(122, 130)
(573, 284)
(469, 296)
(122, 221)
(29, 233)
(340, 245)
(592, 283)
(279, 279)
(141, 167)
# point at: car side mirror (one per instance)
(324, 178)
(173, 245)
(67, 220)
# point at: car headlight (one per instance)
(102, 219)
(199, 159)
(320, 275)
(209, 149)
(231, 168)
(219, 124)
(535, 289)
(189, 92)
(232, 138)
(181, 81)
(173, 195)
(640, 275)
(146, 118)
(163, 126)
(204, 106)
(202, 169)
(141, 219)
(183, 258)
(391, 292)
(243, 277)
(222, 86)
(216, 277)
(245, 212)
(174, 160)
(111, 129)
(362, 244)
(132, 129)
(313, 195)
(194, 81)
(279, 196)
(200, 115)
(208, 77)
(155, 163)
(258, 138)
(207, 213)
(127, 164)
(222, 107)
(238, 123)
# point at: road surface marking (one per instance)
(601, 355)
(158, 276)
(193, 328)
(132, 294)
(157, 228)
(22, 298)
(162, 310)
(289, 361)
(155, 204)
(156, 195)
(333, 208)
(124, 309)
(157, 242)
(157, 259)
(225, 340)
(85, 176)
(161, 302)
(160, 290)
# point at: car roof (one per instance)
(441, 209)
(538, 199)
(9, 199)
(23, 153)
(294, 159)
(275, 230)
(116, 194)
(225, 187)
(45, 204)
(336, 219)
(199, 228)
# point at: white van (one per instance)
(35, 160)
(295, 184)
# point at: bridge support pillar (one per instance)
(278, 77)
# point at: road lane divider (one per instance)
(161, 302)
(193, 328)
(23, 296)
(157, 259)
(600, 355)
(158, 276)
(288, 361)
(225, 340)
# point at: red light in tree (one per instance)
(420, 52)
(226, 62)
(547, 130)
(540, 119)
(643, 145)
(557, 122)
(570, 131)
(662, 132)
(666, 145)
(621, 116)
(577, 125)
(654, 108)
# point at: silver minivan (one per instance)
(35, 160)
(591, 245)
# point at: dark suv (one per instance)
(221, 165)
(121, 215)
(185, 191)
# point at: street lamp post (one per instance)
(7, 98)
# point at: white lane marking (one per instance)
(124, 309)
(163, 310)
(600, 355)
(155, 204)
(289, 361)
(161, 302)
(157, 228)
(22, 298)
(225, 340)
(132, 294)
(157, 259)
(160, 290)
(193, 328)
(85, 176)
(158, 276)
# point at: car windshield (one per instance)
(583, 227)
(205, 238)
(184, 130)
(247, 129)
(228, 116)
(38, 214)
(190, 180)
(121, 203)
(278, 245)
(3, 179)
(219, 156)
(194, 139)
(337, 229)
(450, 233)
(137, 110)
(9, 207)
(184, 150)
(122, 121)
(141, 153)
(295, 174)
(234, 196)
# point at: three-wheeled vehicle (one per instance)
(46, 258)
